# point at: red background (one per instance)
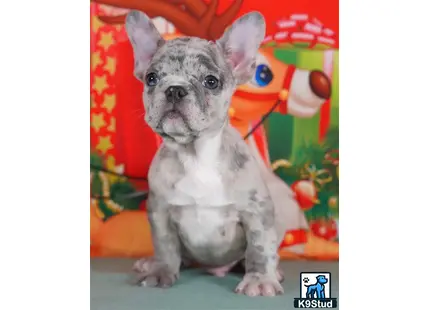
(327, 11)
(134, 142)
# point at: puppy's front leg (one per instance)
(162, 270)
(261, 256)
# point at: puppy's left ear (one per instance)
(240, 44)
(145, 39)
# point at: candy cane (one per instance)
(313, 28)
(302, 36)
(328, 32)
(281, 37)
(326, 40)
(302, 28)
(283, 24)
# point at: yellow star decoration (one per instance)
(96, 23)
(110, 65)
(97, 121)
(100, 84)
(93, 103)
(104, 144)
(112, 124)
(106, 40)
(96, 60)
(112, 166)
(109, 102)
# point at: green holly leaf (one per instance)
(331, 140)
(311, 153)
(288, 175)
(96, 159)
(317, 211)
(120, 189)
(322, 209)
(96, 185)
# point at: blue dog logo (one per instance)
(316, 290)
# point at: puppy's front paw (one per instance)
(160, 277)
(153, 274)
(255, 284)
(143, 264)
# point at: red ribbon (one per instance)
(283, 107)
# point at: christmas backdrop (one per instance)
(297, 143)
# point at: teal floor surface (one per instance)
(195, 290)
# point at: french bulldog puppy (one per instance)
(208, 202)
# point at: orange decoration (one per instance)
(125, 234)
(321, 249)
(283, 94)
(294, 237)
(333, 202)
(231, 112)
(95, 220)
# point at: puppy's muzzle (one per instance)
(175, 94)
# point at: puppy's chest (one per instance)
(201, 185)
(201, 226)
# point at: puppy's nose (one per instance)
(320, 84)
(175, 93)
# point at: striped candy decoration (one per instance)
(301, 28)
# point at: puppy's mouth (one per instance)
(173, 125)
(173, 115)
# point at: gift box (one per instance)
(304, 42)
(305, 151)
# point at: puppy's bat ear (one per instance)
(144, 38)
(240, 44)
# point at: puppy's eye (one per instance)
(210, 82)
(151, 79)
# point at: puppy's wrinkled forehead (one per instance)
(193, 56)
(188, 56)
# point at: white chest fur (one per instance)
(202, 183)
(203, 225)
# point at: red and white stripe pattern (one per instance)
(302, 28)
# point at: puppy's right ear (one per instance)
(145, 39)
